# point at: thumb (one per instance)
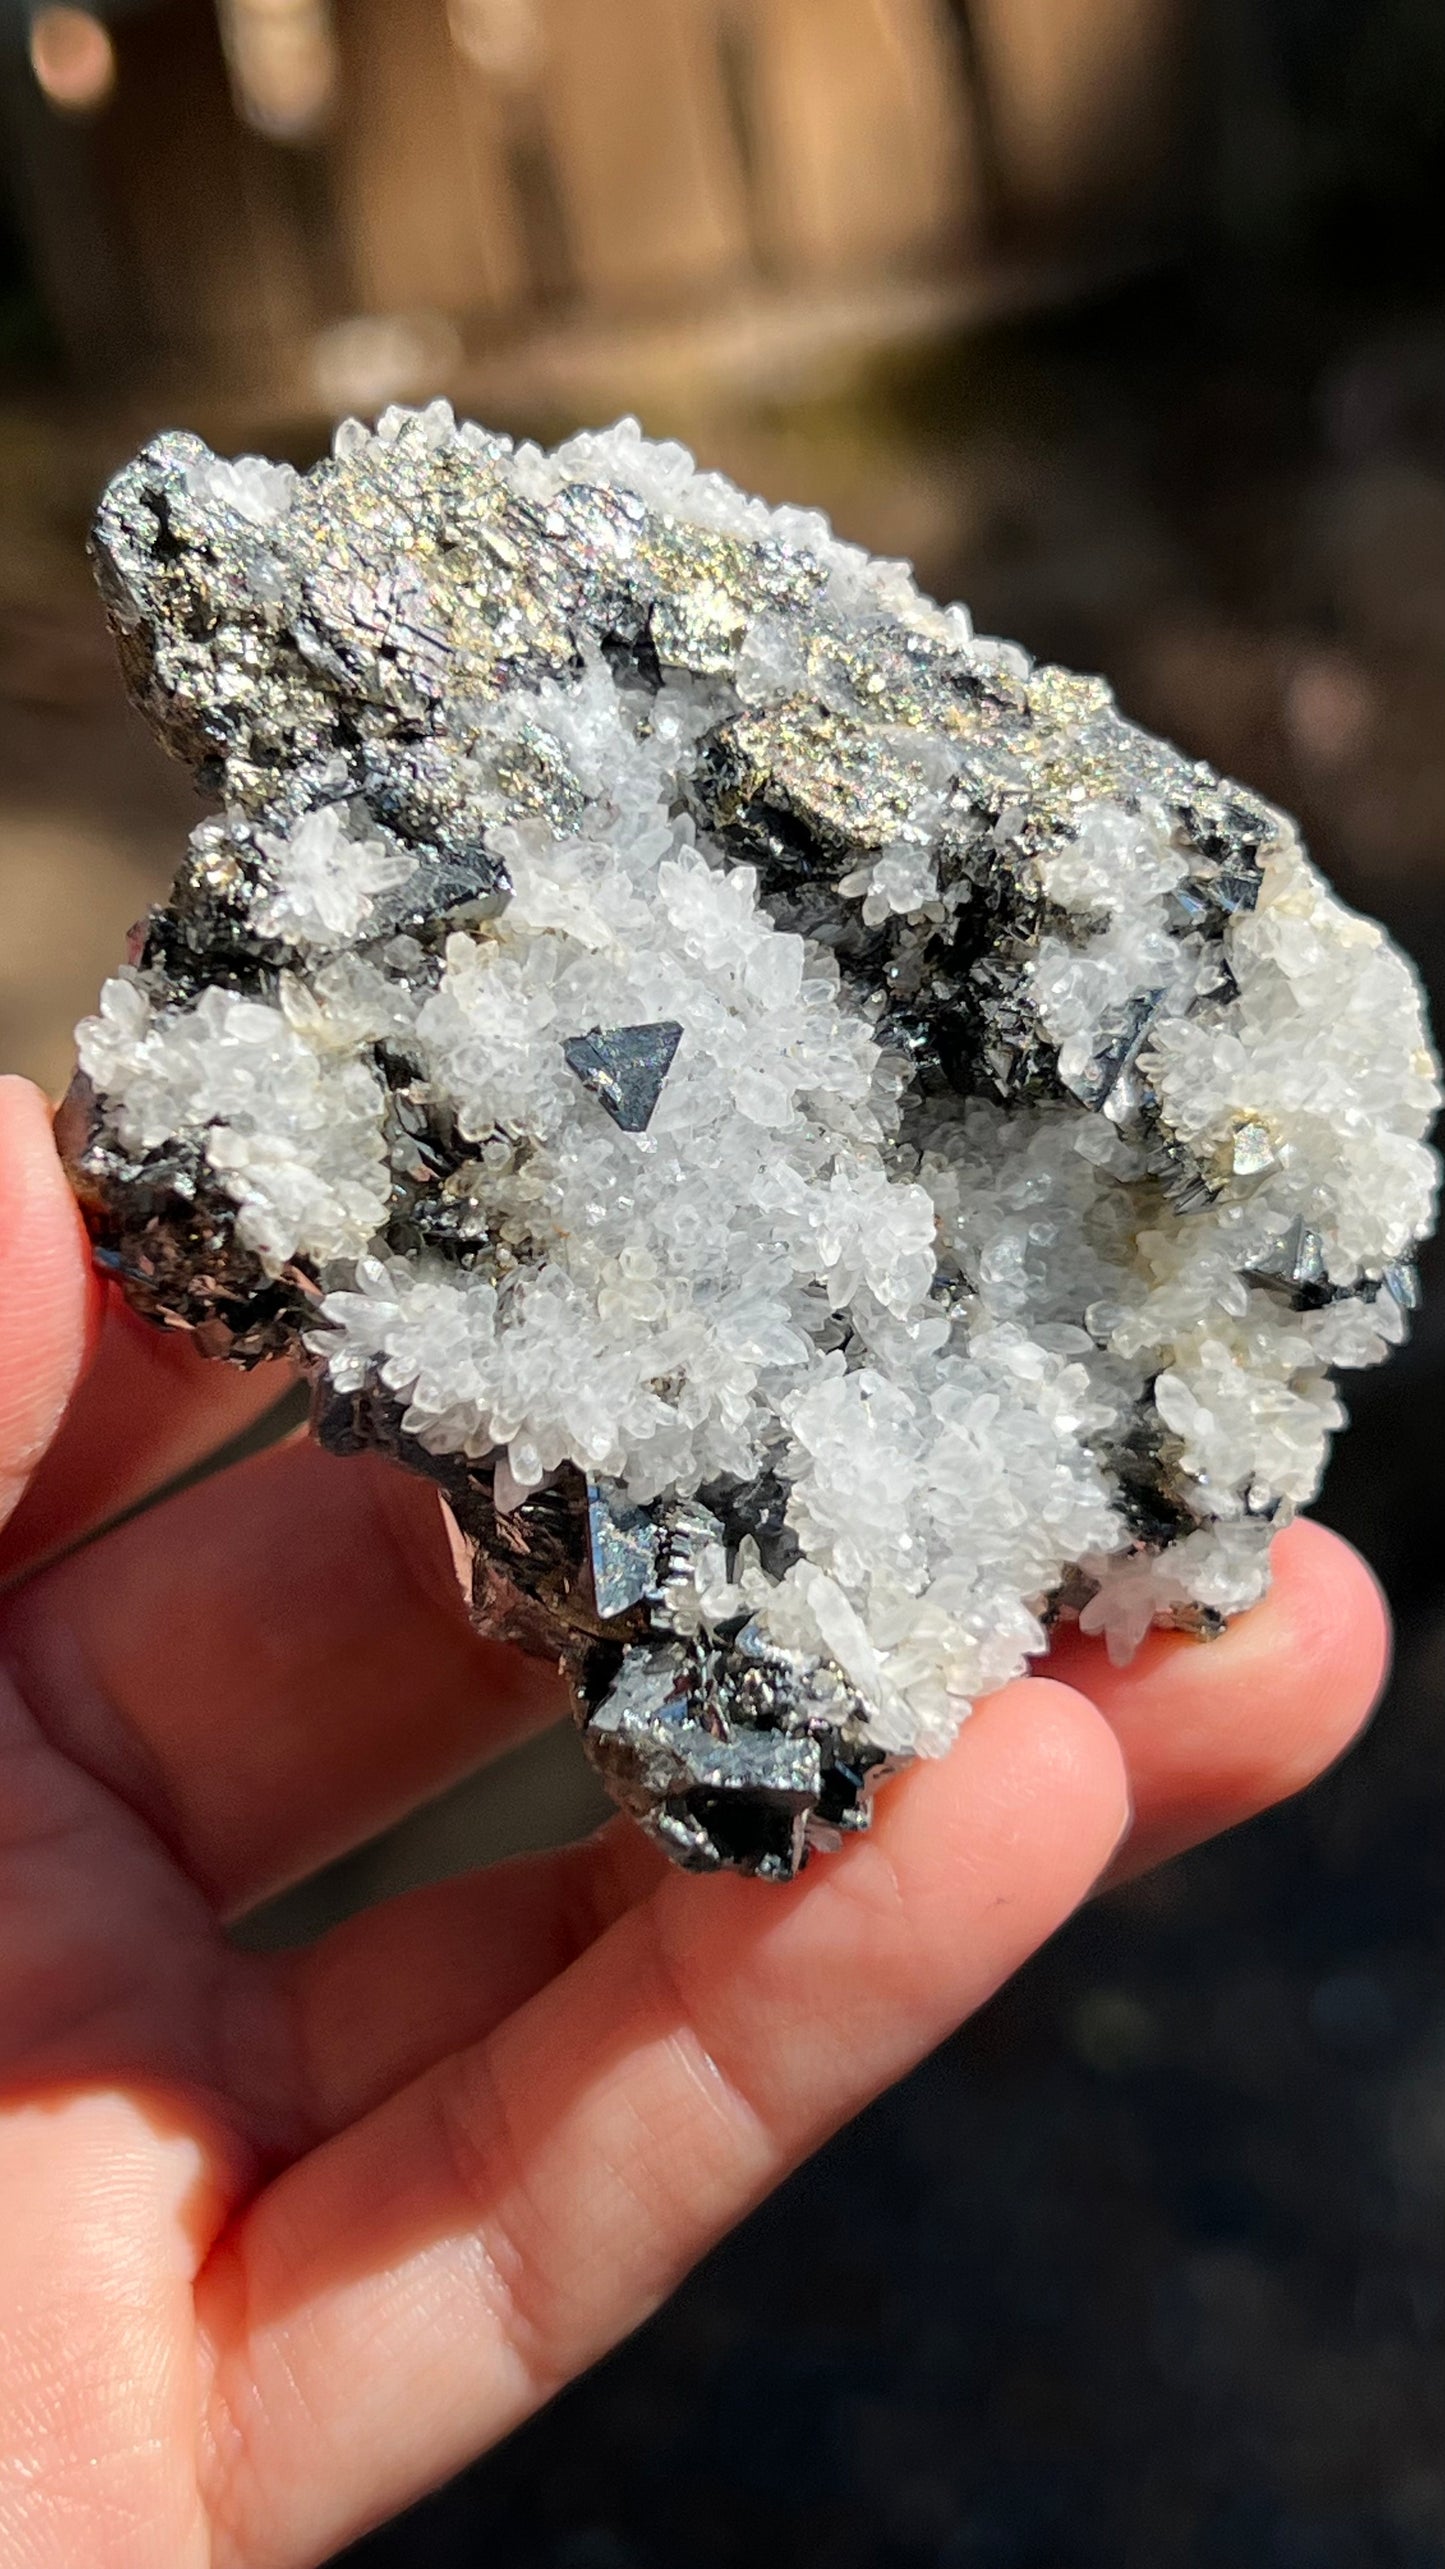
(50, 1298)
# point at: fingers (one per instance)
(270, 1667)
(1211, 1732)
(78, 1447)
(773, 2031)
(415, 2287)
(148, 1410)
(390, 1992)
(1214, 1731)
(49, 1302)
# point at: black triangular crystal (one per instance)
(624, 1067)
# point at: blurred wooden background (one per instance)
(241, 182)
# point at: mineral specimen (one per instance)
(830, 1146)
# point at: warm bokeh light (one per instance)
(73, 59)
(376, 357)
(502, 38)
(282, 55)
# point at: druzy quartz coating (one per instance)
(830, 1146)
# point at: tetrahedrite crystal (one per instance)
(830, 1146)
(625, 1067)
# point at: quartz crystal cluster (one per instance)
(830, 1146)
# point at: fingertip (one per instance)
(26, 1130)
(973, 1860)
(1320, 1645)
(49, 1296)
(1215, 1731)
(44, 1246)
(1290, 1684)
(1034, 1766)
(150, 1408)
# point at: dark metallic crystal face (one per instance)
(728, 1753)
(624, 1068)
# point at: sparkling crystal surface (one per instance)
(828, 1144)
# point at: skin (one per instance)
(286, 2240)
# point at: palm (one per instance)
(282, 2241)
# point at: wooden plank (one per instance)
(424, 202)
(645, 155)
(78, 253)
(210, 222)
(862, 132)
(1085, 99)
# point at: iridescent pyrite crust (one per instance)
(827, 1144)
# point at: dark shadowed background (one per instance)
(1126, 318)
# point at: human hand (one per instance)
(284, 2240)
